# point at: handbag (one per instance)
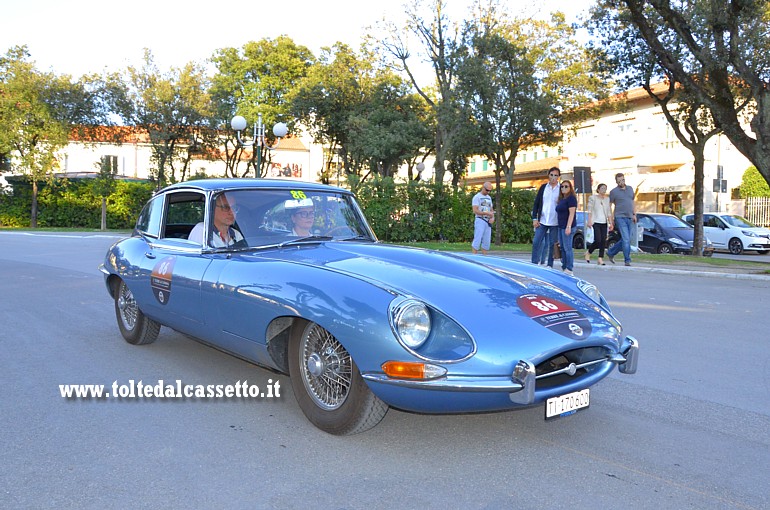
(556, 250)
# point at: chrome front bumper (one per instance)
(520, 384)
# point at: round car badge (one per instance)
(555, 315)
(160, 280)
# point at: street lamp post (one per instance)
(258, 138)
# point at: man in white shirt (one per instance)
(222, 234)
(544, 219)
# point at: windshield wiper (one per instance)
(306, 239)
(359, 237)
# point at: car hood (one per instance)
(685, 234)
(489, 296)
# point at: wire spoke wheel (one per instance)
(327, 370)
(127, 309)
(327, 384)
(134, 326)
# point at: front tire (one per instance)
(328, 386)
(735, 245)
(665, 248)
(135, 327)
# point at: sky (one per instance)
(79, 37)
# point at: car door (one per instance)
(650, 238)
(172, 266)
(716, 230)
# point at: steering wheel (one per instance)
(341, 230)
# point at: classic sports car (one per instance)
(290, 276)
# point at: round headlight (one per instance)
(412, 322)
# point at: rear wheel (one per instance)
(328, 386)
(665, 248)
(735, 245)
(134, 326)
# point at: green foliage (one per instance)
(754, 184)
(418, 211)
(73, 204)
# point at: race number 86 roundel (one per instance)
(555, 315)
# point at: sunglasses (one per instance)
(567, 186)
(305, 214)
(227, 208)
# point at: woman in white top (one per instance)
(600, 219)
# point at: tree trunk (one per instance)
(698, 240)
(104, 213)
(33, 212)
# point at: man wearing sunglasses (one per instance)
(222, 232)
(544, 219)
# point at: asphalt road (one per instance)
(690, 430)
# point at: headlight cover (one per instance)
(411, 322)
(749, 233)
(676, 240)
(590, 290)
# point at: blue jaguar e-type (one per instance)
(290, 276)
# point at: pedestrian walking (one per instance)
(600, 221)
(624, 211)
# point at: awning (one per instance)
(665, 182)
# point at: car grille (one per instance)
(570, 366)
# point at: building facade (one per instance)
(638, 142)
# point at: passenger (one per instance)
(302, 214)
(222, 233)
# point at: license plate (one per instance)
(566, 405)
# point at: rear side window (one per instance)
(150, 218)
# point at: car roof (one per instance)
(224, 184)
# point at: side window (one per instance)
(647, 223)
(185, 210)
(710, 221)
(150, 218)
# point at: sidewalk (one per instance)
(738, 271)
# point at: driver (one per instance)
(302, 215)
(222, 233)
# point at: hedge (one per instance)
(414, 211)
(71, 203)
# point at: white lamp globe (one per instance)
(238, 123)
(280, 130)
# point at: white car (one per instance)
(733, 233)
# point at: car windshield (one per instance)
(738, 221)
(273, 217)
(667, 221)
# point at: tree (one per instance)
(753, 184)
(720, 53)
(634, 64)
(174, 108)
(390, 127)
(258, 79)
(103, 186)
(518, 80)
(30, 130)
(326, 98)
(440, 40)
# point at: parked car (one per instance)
(733, 233)
(666, 233)
(360, 326)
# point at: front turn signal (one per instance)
(412, 370)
